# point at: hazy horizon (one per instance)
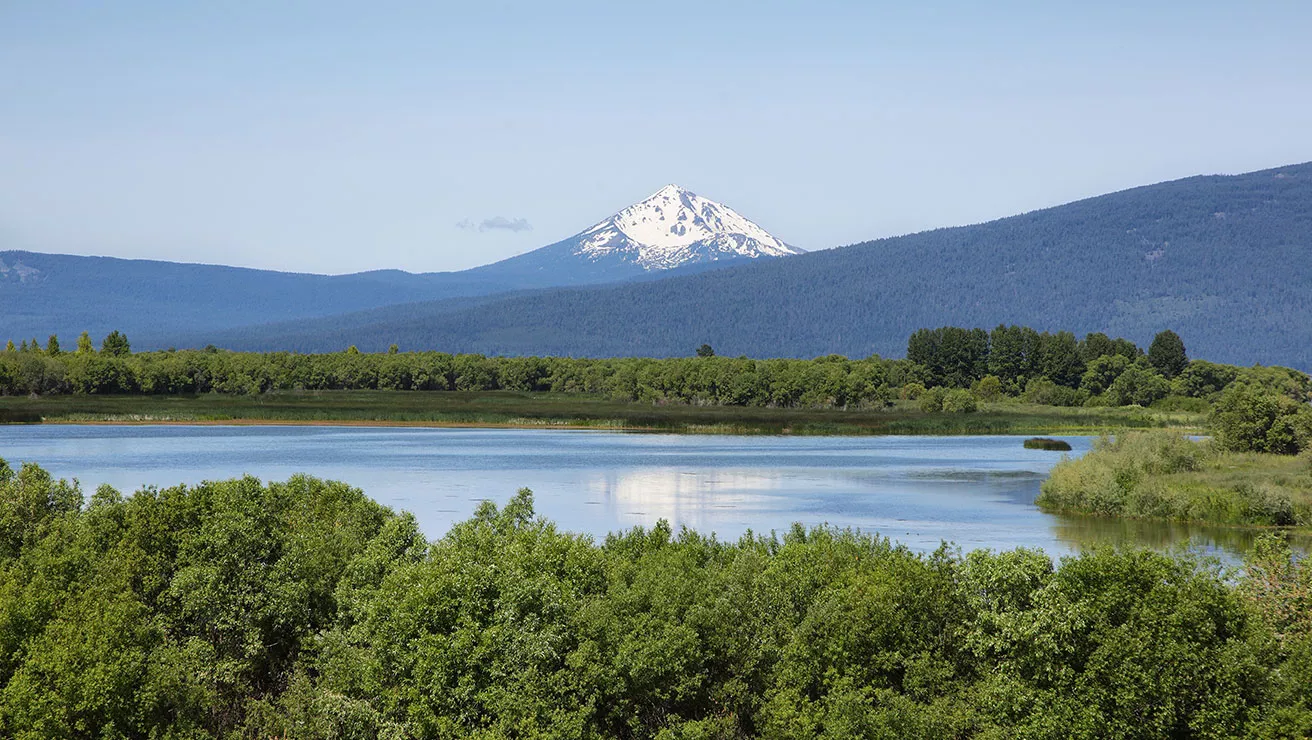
(332, 138)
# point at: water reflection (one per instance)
(695, 499)
(977, 492)
(1082, 532)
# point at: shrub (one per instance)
(911, 391)
(1139, 386)
(987, 388)
(302, 609)
(960, 401)
(1102, 372)
(1044, 443)
(1250, 418)
(1202, 379)
(1047, 393)
(931, 401)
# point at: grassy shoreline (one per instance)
(571, 411)
(1162, 476)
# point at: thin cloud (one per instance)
(496, 222)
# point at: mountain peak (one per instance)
(674, 227)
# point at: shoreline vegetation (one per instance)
(578, 411)
(1010, 380)
(302, 608)
(1161, 475)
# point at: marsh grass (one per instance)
(510, 408)
(1163, 475)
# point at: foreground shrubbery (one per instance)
(1161, 475)
(302, 609)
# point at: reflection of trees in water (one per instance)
(1084, 532)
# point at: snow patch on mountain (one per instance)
(675, 227)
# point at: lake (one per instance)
(977, 492)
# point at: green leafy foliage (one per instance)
(177, 611)
(1138, 385)
(302, 609)
(115, 345)
(1251, 418)
(1041, 368)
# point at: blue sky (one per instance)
(335, 137)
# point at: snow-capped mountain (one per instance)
(672, 230)
(675, 227)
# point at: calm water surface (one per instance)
(975, 491)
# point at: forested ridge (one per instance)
(303, 609)
(1221, 259)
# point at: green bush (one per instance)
(1253, 418)
(1138, 385)
(931, 401)
(960, 401)
(988, 388)
(302, 609)
(1102, 372)
(911, 391)
(1044, 443)
(1045, 392)
(1202, 379)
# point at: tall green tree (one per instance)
(1095, 345)
(115, 345)
(1138, 385)
(1167, 354)
(1060, 359)
(52, 346)
(1202, 378)
(1101, 372)
(84, 345)
(954, 356)
(1014, 354)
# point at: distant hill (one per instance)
(155, 303)
(1226, 261)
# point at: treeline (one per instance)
(946, 369)
(1057, 369)
(826, 381)
(303, 609)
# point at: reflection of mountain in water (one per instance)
(685, 498)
